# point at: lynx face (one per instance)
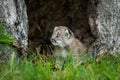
(62, 36)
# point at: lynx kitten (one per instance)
(64, 38)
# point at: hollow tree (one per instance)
(103, 18)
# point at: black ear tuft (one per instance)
(69, 33)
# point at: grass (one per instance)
(35, 69)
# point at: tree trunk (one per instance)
(105, 25)
(13, 15)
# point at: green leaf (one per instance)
(5, 38)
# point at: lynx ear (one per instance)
(69, 33)
(55, 28)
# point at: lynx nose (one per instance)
(53, 40)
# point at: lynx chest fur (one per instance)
(64, 38)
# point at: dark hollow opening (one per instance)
(44, 15)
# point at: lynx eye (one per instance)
(58, 34)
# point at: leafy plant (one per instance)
(5, 38)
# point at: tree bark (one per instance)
(105, 25)
(13, 15)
